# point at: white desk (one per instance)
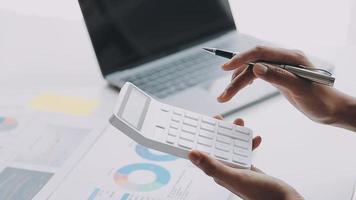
(39, 53)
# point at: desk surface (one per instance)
(40, 52)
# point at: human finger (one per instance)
(268, 54)
(278, 77)
(238, 71)
(210, 166)
(256, 141)
(236, 85)
(253, 168)
(239, 122)
(219, 117)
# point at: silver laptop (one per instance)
(157, 45)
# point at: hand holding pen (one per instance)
(319, 102)
(320, 76)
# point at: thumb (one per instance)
(236, 180)
(210, 166)
(277, 76)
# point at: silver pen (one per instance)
(316, 75)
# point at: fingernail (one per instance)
(195, 157)
(222, 95)
(260, 69)
(226, 65)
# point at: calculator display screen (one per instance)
(134, 107)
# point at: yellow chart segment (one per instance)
(71, 105)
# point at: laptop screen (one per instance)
(126, 33)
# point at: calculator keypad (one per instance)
(220, 139)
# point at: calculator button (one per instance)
(221, 154)
(223, 139)
(160, 133)
(242, 130)
(178, 112)
(171, 139)
(204, 148)
(174, 125)
(187, 136)
(176, 118)
(238, 135)
(160, 126)
(222, 146)
(242, 144)
(242, 139)
(240, 160)
(227, 133)
(185, 144)
(240, 152)
(189, 129)
(207, 127)
(225, 125)
(243, 136)
(190, 122)
(205, 141)
(210, 121)
(173, 132)
(165, 108)
(163, 123)
(206, 134)
(192, 116)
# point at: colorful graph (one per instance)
(148, 154)
(7, 123)
(121, 177)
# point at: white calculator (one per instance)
(177, 131)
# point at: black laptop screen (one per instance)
(126, 33)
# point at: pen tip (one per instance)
(211, 50)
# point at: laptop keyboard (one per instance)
(179, 75)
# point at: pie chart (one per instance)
(7, 123)
(162, 176)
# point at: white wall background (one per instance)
(352, 30)
(298, 23)
(293, 22)
(64, 9)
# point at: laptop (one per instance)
(157, 46)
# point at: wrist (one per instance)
(345, 114)
(287, 192)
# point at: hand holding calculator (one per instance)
(177, 131)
